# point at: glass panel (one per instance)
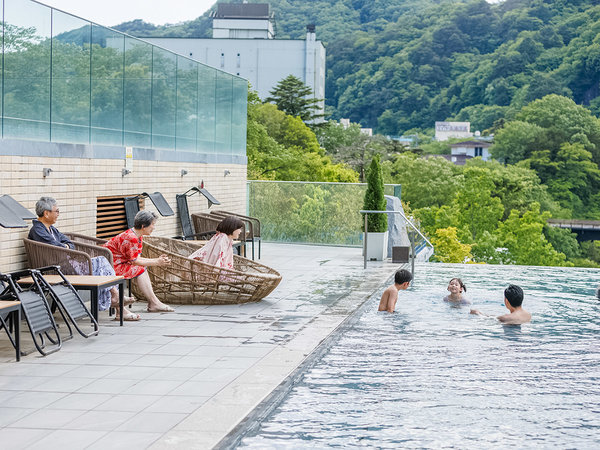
(26, 70)
(206, 108)
(107, 86)
(239, 116)
(137, 93)
(223, 115)
(187, 104)
(70, 78)
(316, 213)
(164, 98)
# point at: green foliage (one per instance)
(374, 198)
(393, 65)
(448, 248)
(294, 98)
(282, 147)
(523, 237)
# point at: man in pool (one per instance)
(389, 297)
(513, 299)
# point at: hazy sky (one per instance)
(114, 12)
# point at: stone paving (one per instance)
(182, 379)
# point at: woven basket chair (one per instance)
(188, 281)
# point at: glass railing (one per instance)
(65, 79)
(308, 212)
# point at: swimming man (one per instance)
(389, 297)
(513, 299)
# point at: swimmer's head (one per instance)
(458, 282)
(402, 276)
(514, 295)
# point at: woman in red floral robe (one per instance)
(127, 248)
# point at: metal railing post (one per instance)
(365, 240)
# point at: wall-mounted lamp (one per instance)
(125, 172)
(46, 171)
(184, 172)
(226, 172)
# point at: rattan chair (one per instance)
(252, 225)
(70, 261)
(188, 281)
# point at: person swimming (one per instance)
(457, 288)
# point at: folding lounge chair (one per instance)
(252, 227)
(70, 305)
(183, 213)
(132, 206)
(11, 311)
(34, 308)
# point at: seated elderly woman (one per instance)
(43, 230)
(127, 248)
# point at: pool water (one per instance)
(432, 375)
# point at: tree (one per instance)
(294, 98)
(374, 198)
(523, 237)
(448, 248)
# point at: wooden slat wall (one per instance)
(110, 216)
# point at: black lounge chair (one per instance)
(11, 310)
(13, 214)
(34, 307)
(183, 213)
(70, 305)
(132, 205)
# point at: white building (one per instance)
(462, 151)
(243, 45)
(447, 130)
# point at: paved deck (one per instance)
(182, 379)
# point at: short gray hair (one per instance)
(44, 204)
(144, 219)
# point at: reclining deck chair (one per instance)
(132, 206)
(187, 229)
(207, 223)
(68, 261)
(70, 305)
(34, 307)
(252, 226)
(11, 310)
(188, 281)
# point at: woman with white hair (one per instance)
(127, 248)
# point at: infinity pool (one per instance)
(432, 375)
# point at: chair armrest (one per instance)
(94, 251)
(82, 238)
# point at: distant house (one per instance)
(462, 151)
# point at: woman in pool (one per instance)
(456, 288)
(219, 250)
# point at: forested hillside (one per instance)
(395, 65)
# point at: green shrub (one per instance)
(374, 198)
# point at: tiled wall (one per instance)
(76, 183)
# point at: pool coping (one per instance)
(223, 420)
(264, 409)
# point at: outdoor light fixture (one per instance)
(184, 172)
(227, 172)
(125, 172)
(46, 171)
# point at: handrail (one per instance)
(367, 212)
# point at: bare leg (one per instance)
(145, 287)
